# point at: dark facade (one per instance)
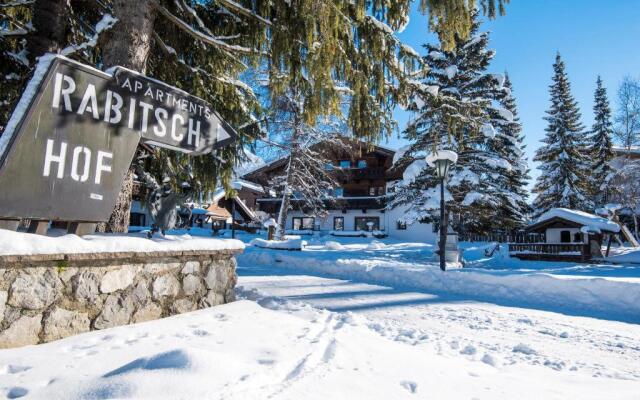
(362, 174)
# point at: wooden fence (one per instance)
(504, 237)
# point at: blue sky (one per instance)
(593, 36)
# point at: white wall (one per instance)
(553, 235)
(416, 232)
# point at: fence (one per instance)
(504, 237)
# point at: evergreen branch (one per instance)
(248, 13)
(213, 41)
(19, 3)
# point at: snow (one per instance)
(252, 163)
(413, 171)
(397, 156)
(488, 131)
(270, 223)
(310, 325)
(106, 23)
(283, 349)
(452, 156)
(287, 244)
(581, 217)
(451, 71)
(19, 243)
(504, 113)
(471, 198)
(578, 289)
(25, 100)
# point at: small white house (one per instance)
(570, 235)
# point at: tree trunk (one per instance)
(288, 190)
(128, 44)
(50, 23)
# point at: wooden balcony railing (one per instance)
(550, 248)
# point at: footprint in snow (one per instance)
(468, 350)
(524, 349)
(410, 386)
(16, 392)
(13, 369)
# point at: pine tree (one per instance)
(601, 147)
(202, 46)
(510, 182)
(459, 109)
(563, 157)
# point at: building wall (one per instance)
(553, 235)
(416, 232)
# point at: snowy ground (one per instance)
(333, 322)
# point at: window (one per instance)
(367, 223)
(338, 192)
(565, 237)
(137, 219)
(345, 164)
(362, 163)
(328, 166)
(372, 191)
(303, 223)
(338, 223)
(401, 226)
(376, 191)
(577, 237)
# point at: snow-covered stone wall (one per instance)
(49, 297)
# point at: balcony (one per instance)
(338, 203)
(360, 173)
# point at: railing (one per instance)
(550, 248)
(361, 173)
(503, 237)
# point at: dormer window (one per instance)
(362, 163)
(345, 164)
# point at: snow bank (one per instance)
(617, 299)
(288, 244)
(580, 217)
(19, 243)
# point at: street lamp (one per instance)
(441, 161)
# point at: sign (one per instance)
(72, 137)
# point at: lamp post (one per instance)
(441, 161)
(236, 187)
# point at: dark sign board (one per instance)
(71, 140)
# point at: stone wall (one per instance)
(49, 297)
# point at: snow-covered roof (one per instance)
(624, 150)
(581, 218)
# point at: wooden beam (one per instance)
(38, 227)
(9, 224)
(81, 228)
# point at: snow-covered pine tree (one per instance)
(457, 106)
(509, 180)
(601, 147)
(564, 165)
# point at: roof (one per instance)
(579, 218)
(217, 212)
